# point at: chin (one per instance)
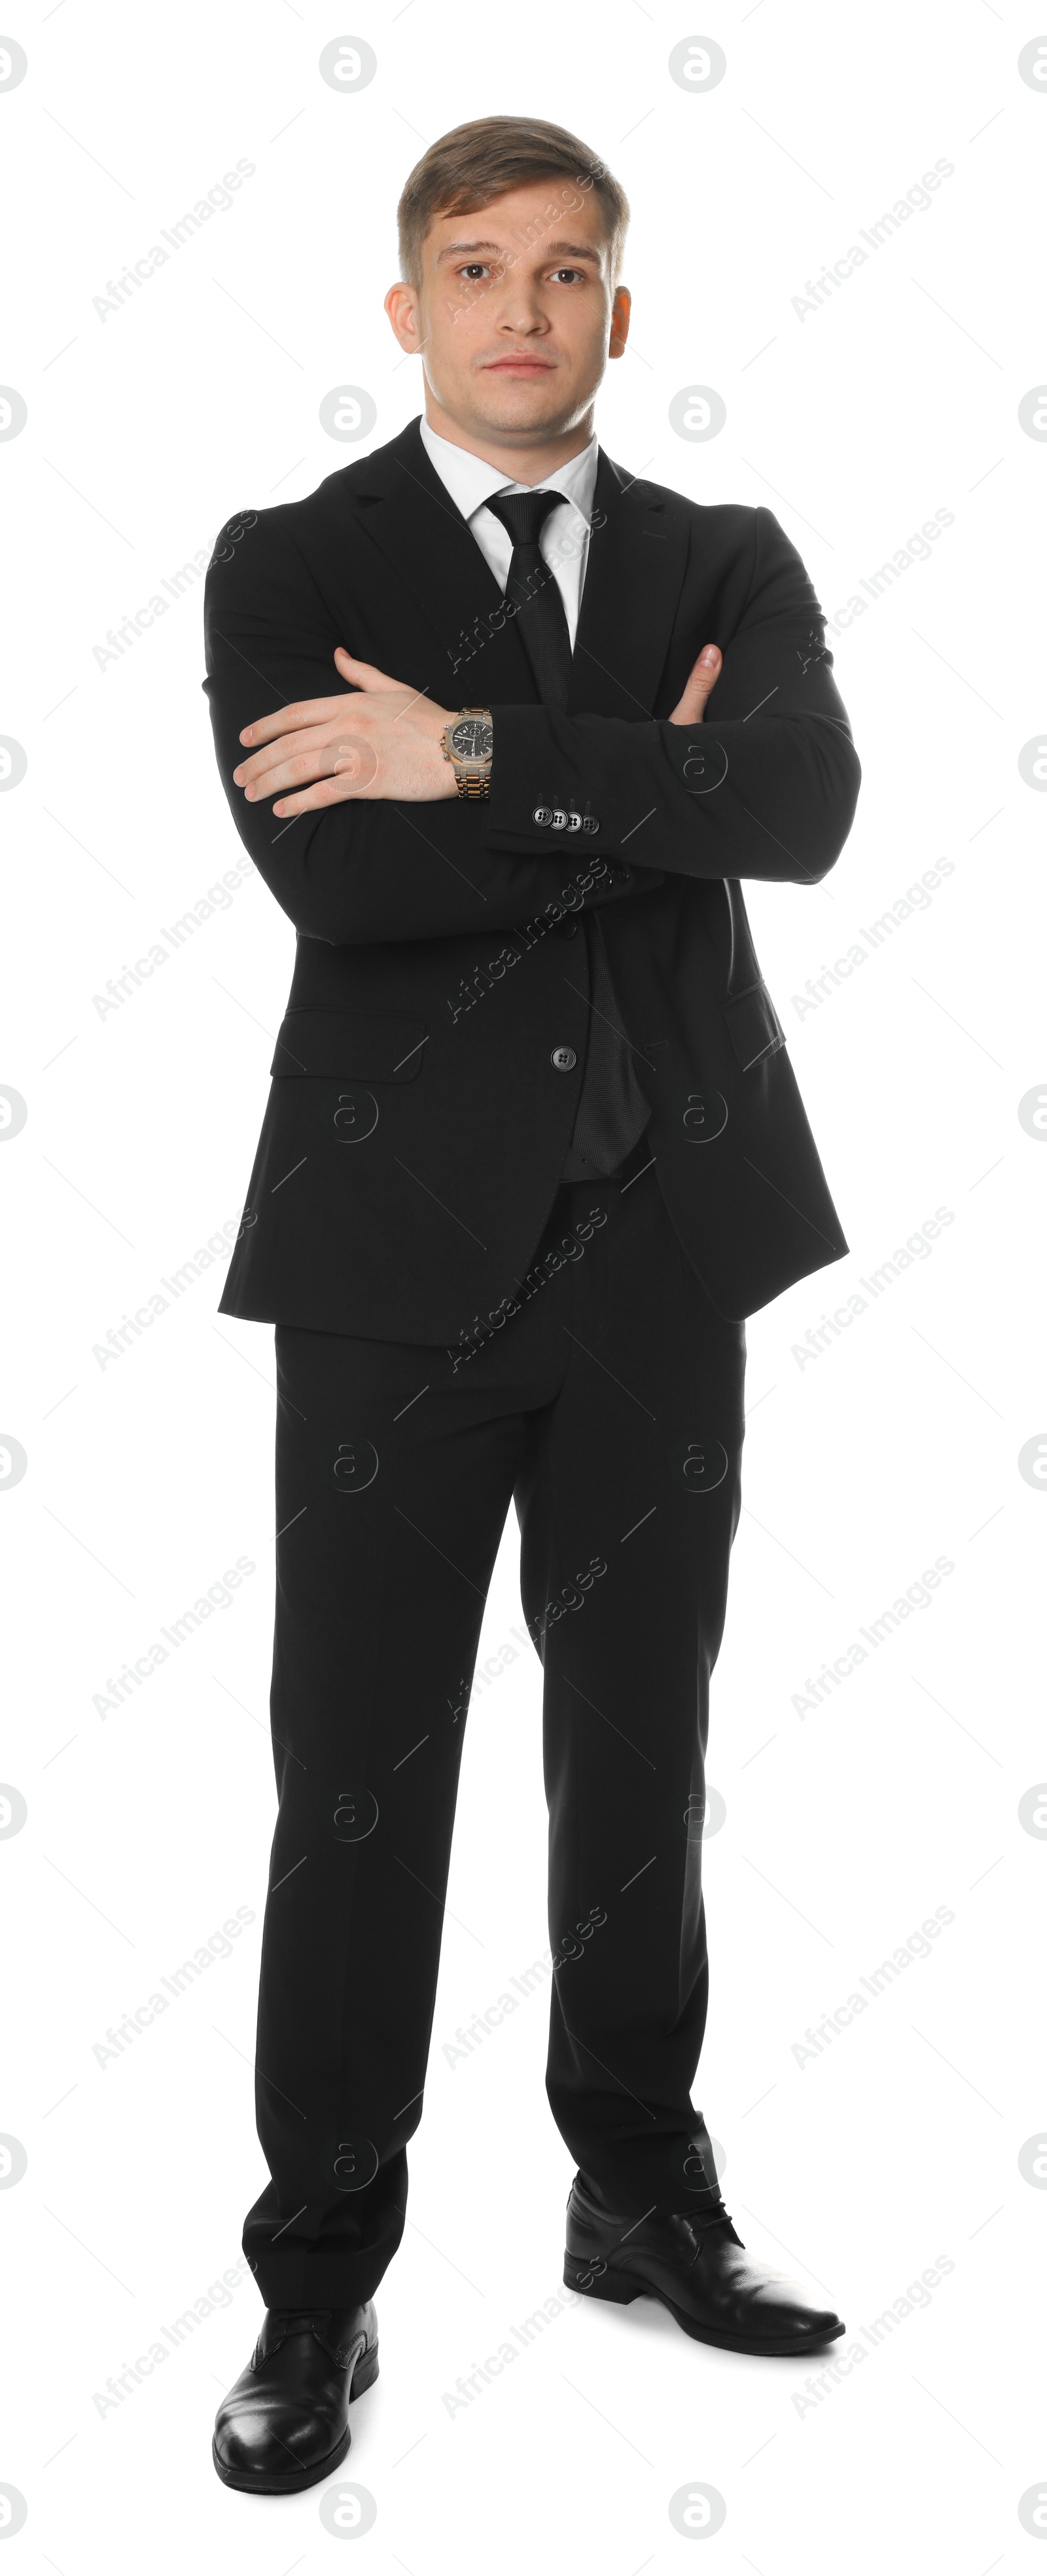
(511, 403)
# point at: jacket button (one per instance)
(568, 928)
(558, 819)
(564, 1058)
(590, 823)
(543, 814)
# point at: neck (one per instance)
(520, 458)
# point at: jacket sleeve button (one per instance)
(543, 814)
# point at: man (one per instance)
(533, 1152)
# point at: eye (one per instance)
(473, 269)
(568, 272)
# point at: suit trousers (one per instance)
(606, 1401)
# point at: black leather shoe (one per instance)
(699, 2268)
(285, 2424)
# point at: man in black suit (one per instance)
(533, 1152)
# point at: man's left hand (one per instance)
(382, 741)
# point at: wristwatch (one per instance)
(468, 744)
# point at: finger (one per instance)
(690, 707)
(305, 711)
(364, 675)
(312, 740)
(290, 769)
(704, 674)
(327, 791)
(298, 759)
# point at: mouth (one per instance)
(519, 367)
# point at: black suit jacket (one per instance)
(416, 1124)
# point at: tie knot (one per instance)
(523, 514)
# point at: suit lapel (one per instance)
(402, 506)
(637, 558)
(634, 572)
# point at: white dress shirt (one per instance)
(564, 540)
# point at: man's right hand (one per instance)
(690, 709)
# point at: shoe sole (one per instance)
(291, 2481)
(621, 2290)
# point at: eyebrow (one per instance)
(551, 250)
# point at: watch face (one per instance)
(472, 738)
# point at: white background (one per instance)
(899, 1443)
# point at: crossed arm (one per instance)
(383, 743)
(350, 812)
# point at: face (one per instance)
(515, 317)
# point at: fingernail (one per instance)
(710, 653)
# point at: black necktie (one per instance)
(612, 1112)
(533, 585)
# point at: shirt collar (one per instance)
(471, 480)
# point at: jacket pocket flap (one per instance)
(355, 1046)
(753, 1025)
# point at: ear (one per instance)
(620, 313)
(401, 305)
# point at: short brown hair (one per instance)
(465, 169)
